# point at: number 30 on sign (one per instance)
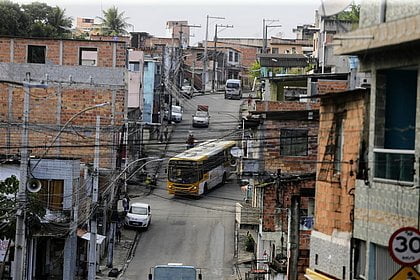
(404, 246)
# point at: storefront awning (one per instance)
(86, 235)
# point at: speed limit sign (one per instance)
(404, 246)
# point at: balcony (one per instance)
(396, 165)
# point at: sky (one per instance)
(246, 16)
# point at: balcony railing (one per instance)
(395, 165)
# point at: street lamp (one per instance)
(65, 125)
(270, 21)
(204, 74)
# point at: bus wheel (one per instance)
(206, 189)
(224, 178)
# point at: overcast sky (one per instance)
(245, 15)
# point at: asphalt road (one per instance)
(198, 232)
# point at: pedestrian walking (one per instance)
(165, 132)
(119, 232)
(126, 204)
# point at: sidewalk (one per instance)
(125, 249)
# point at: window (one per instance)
(51, 194)
(199, 56)
(36, 54)
(87, 20)
(134, 66)
(293, 50)
(275, 50)
(294, 142)
(230, 56)
(88, 56)
(395, 123)
(236, 57)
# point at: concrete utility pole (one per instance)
(93, 225)
(20, 237)
(181, 77)
(205, 59)
(265, 27)
(293, 233)
(215, 53)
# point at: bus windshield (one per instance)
(175, 273)
(182, 174)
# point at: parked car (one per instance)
(187, 91)
(176, 113)
(201, 118)
(138, 216)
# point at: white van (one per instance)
(233, 89)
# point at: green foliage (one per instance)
(13, 21)
(255, 70)
(34, 20)
(351, 14)
(114, 23)
(8, 207)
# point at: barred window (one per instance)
(294, 142)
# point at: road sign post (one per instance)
(404, 246)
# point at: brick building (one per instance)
(284, 143)
(66, 84)
(343, 133)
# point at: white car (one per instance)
(138, 215)
(176, 113)
(201, 119)
(187, 91)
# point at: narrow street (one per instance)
(197, 232)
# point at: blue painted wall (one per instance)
(148, 90)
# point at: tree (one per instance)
(8, 193)
(47, 21)
(255, 70)
(13, 21)
(114, 23)
(351, 14)
(33, 20)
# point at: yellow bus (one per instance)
(199, 169)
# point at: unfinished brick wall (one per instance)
(268, 106)
(279, 196)
(63, 98)
(49, 110)
(334, 201)
(69, 52)
(327, 86)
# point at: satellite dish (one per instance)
(333, 7)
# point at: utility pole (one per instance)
(205, 59)
(93, 225)
(265, 27)
(181, 77)
(215, 53)
(20, 237)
